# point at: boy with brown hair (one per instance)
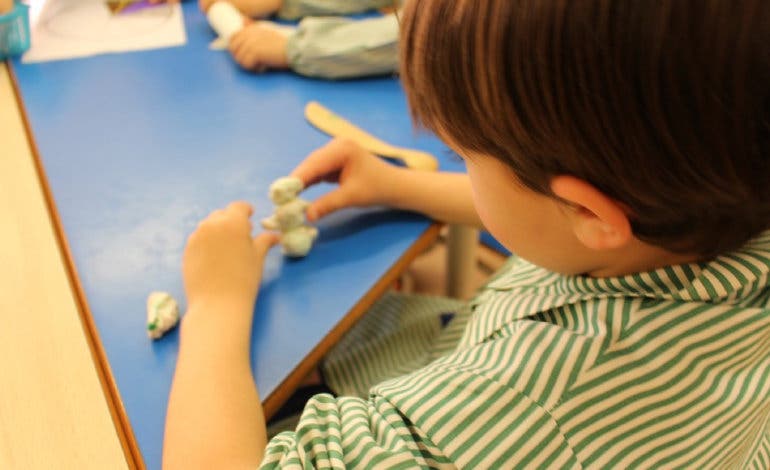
(622, 150)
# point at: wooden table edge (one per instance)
(115, 404)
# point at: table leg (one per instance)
(462, 244)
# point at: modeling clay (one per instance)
(162, 314)
(289, 217)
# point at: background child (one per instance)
(323, 45)
(622, 151)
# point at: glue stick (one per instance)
(225, 19)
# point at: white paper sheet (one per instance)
(66, 29)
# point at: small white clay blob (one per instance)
(162, 314)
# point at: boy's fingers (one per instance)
(236, 42)
(239, 58)
(264, 241)
(215, 214)
(233, 47)
(252, 60)
(326, 204)
(241, 207)
(244, 56)
(323, 161)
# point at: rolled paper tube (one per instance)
(225, 19)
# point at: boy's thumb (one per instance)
(326, 204)
(264, 241)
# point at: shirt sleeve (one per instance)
(347, 432)
(295, 9)
(337, 48)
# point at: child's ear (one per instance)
(599, 221)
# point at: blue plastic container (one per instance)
(14, 31)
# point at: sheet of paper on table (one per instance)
(67, 29)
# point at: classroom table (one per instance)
(134, 149)
(53, 411)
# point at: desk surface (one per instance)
(53, 412)
(137, 148)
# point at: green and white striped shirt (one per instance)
(664, 369)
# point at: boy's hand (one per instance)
(364, 180)
(257, 48)
(222, 264)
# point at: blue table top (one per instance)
(138, 147)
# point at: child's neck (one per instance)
(635, 258)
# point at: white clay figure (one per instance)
(226, 20)
(162, 314)
(289, 217)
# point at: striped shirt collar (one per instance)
(733, 278)
(522, 290)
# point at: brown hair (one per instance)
(662, 105)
